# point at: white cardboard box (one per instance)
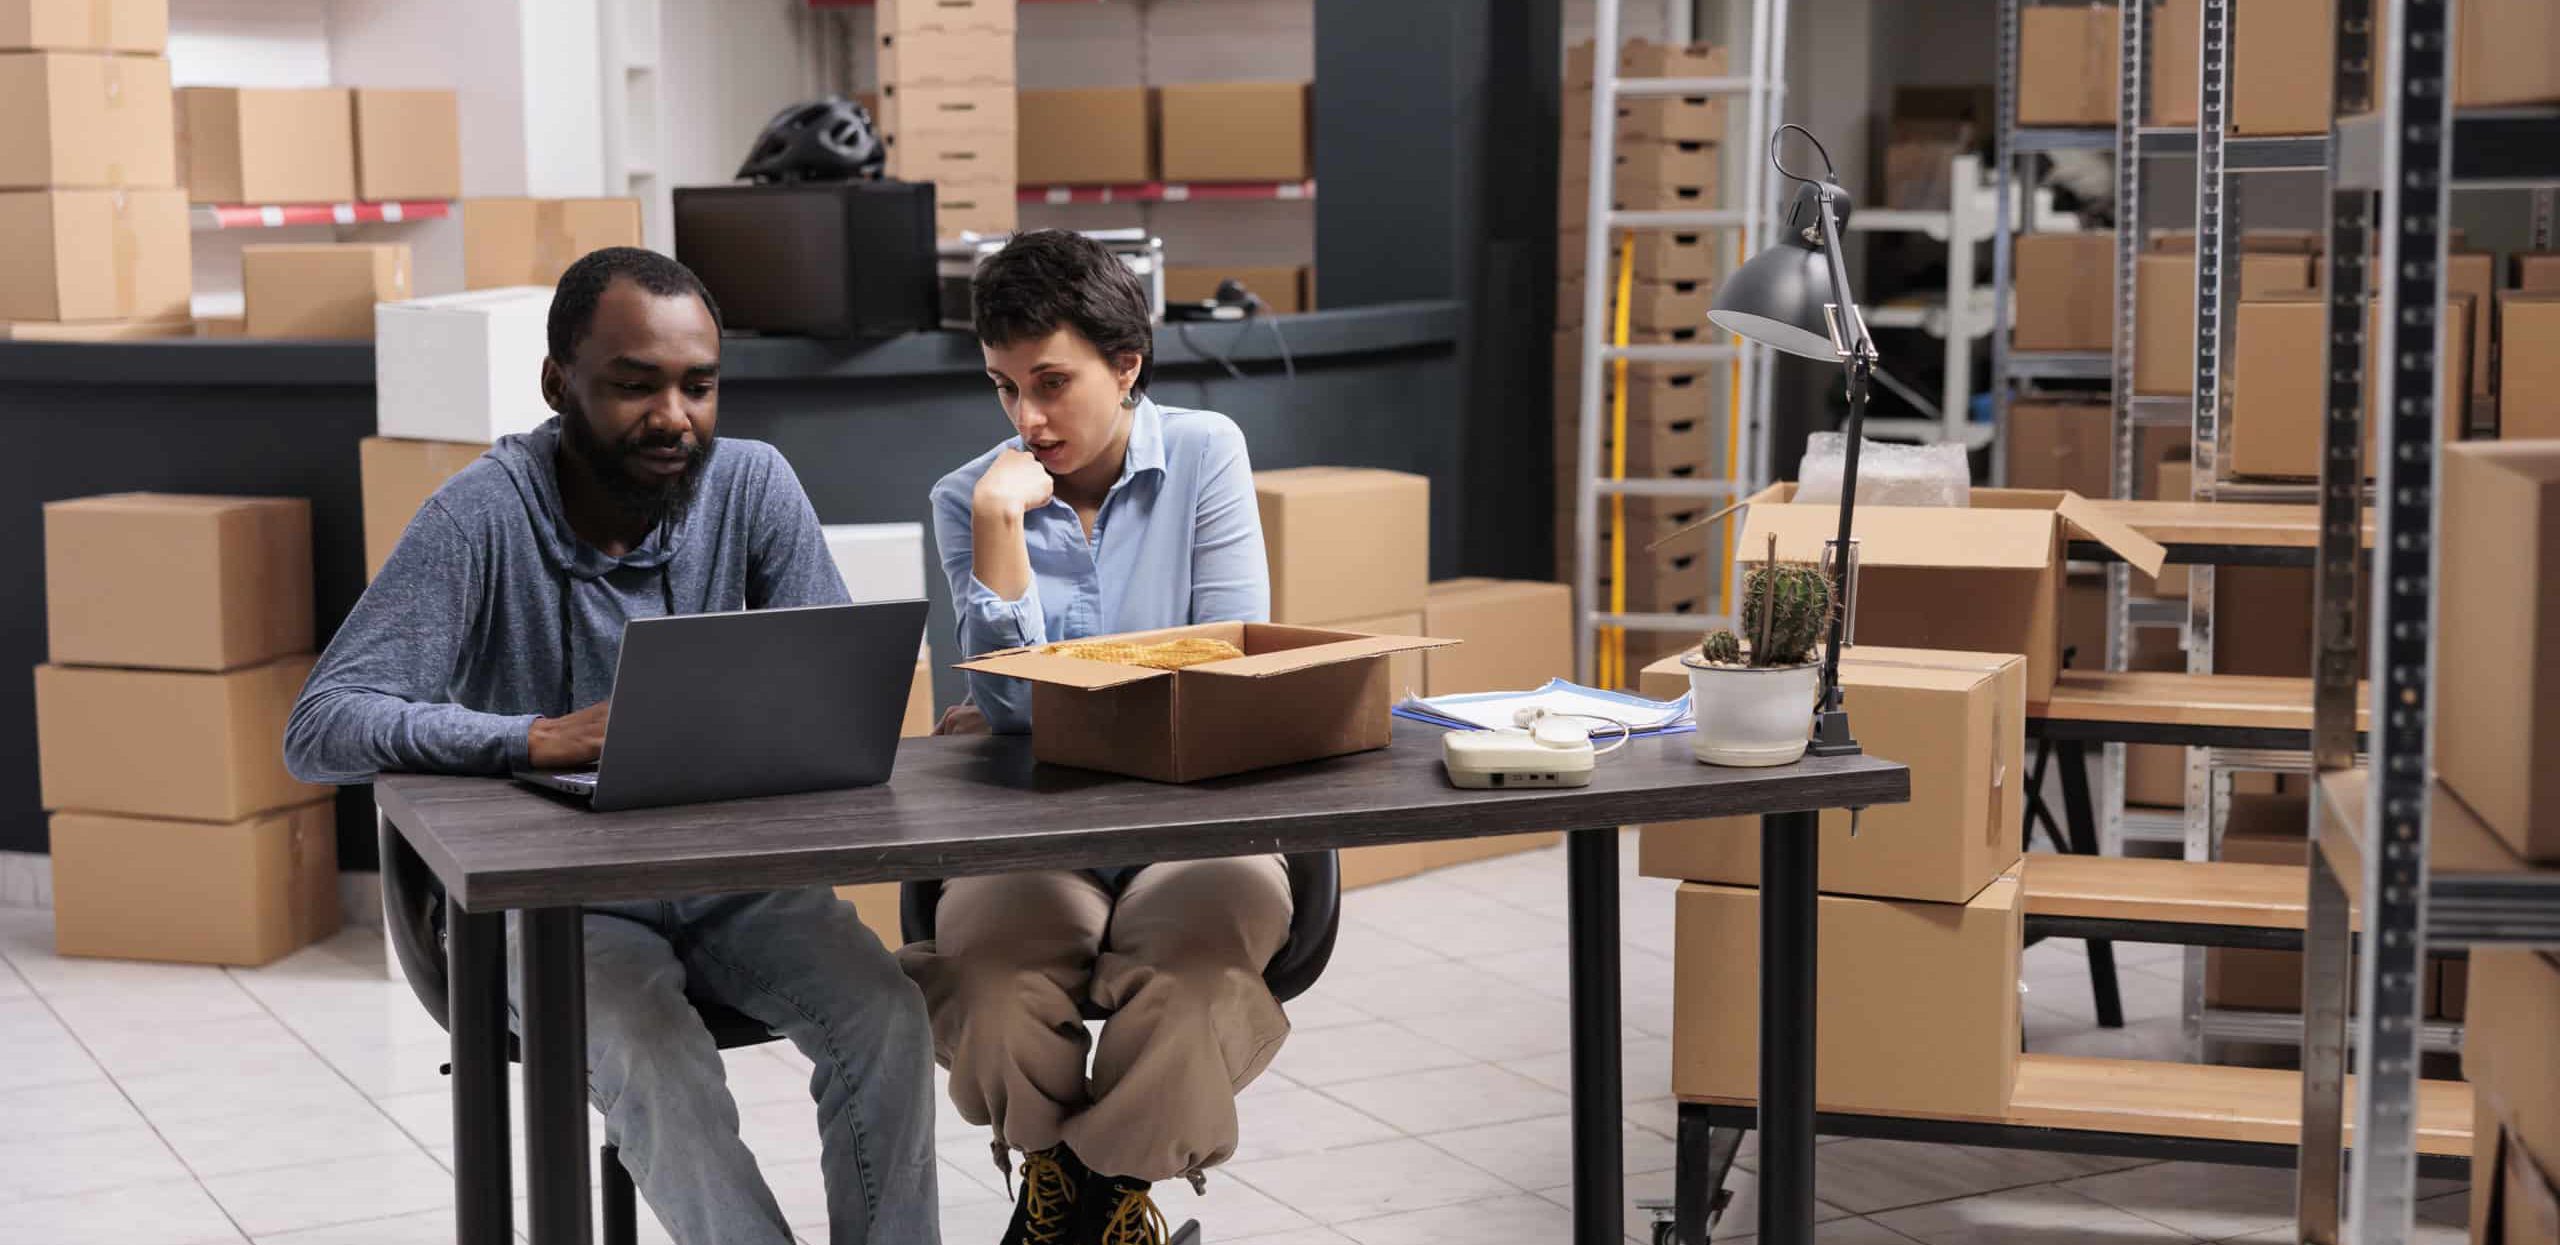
(879, 561)
(461, 367)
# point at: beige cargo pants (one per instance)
(1177, 959)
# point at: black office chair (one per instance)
(1315, 919)
(414, 900)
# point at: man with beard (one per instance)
(488, 644)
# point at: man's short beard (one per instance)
(608, 466)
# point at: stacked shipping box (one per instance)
(93, 229)
(947, 107)
(180, 635)
(886, 562)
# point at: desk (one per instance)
(980, 805)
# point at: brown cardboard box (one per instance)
(1088, 136)
(267, 144)
(1657, 394)
(95, 330)
(2084, 620)
(1298, 694)
(1276, 284)
(1442, 853)
(1345, 542)
(1655, 171)
(959, 159)
(320, 289)
(1664, 580)
(2528, 365)
(945, 56)
(1512, 636)
(2498, 662)
(1916, 164)
(94, 255)
(2475, 273)
(2515, 1198)
(2173, 480)
(1652, 306)
(177, 582)
(1573, 199)
(408, 144)
(2260, 830)
(1986, 578)
(533, 241)
(84, 25)
(1683, 118)
(1371, 866)
(2062, 445)
(2067, 65)
(2066, 292)
(2282, 67)
(978, 207)
(2177, 29)
(2263, 621)
(877, 904)
(2534, 270)
(904, 15)
(1643, 58)
(2165, 304)
(2453, 990)
(2278, 383)
(399, 476)
(1678, 448)
(1906, 986)
(1957, 719)
(2511, 1041)
(1405, 671)
(920, 718)
(2503, 54)
(245, 892)
(214, 742)
(1660, 255)
(1234, 131)
(86, 119)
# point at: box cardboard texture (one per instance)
(1906, 986)
(408, 144)
(2475, 273)
(2498, 639)
(1234, 131)
(2066, 284)
(905, 15)
(2177, 28)
(177, 582)
(945, 56)
(919, 719)
(2511, 1041)
(911, 112)
(2283, 67)
(461, 367)
(96, 330)
(133, 26)
(2060, 445)
(75, 255)
(877, 903)
(1088, 136)
(1985, 578)
(2165, 306)
(399, 477)
(2534, 270)
(2503, 54)
(2278, 378)
(1345, 542)
(86, 119)
(2260, 830)
(244, 892)
(322, 289)
(2528, 365)
(2067, 65)
(1298, 694)
(214, 742)
(533, 241)
(267, 144)
(956, 159)
(2453, 990)
(1957, 719)
(1405, 675)
(1512, 636)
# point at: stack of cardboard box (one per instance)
(451, 375)
(947, 107)
(1184, 132)
(532, 241)
(93, 229)
(1921, 924)
(180, 635)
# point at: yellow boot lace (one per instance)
(1135, 1221)
(1050, 1198)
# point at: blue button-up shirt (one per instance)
(1178, 541)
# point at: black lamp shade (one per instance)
(1777, 296)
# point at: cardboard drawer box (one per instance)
(1651, 305)
(1674, 119)
(1644, 58)
(408, 144)
(1345, 542)
(1298, 694)
(1512, 636)
(912, 112)
(322, 289)
(86, 119)
(906, 15)
(1905, 986)
(1660, 255)
(131, 26)
(2067, 65)
(461, 367)
(94, 255)
(245, 892)
(1658, 580)
(1233, 131)
(2066, 292)
(267, 144)
(2498, 640)
(214, 743)
(399, 477)
(945, 56)
(1654, 446)
(1957, 719)
(533, 241)
(958, 159)
(177, 582)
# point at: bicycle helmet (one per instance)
(825, 140)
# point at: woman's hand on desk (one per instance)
(962, 720)
(1015, 484)
(571, 742)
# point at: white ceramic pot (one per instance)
(1752, 715)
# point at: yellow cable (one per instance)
(1614, 668)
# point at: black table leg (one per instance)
(1789, 848)
(475, 948)
(2083, 816)
(552, 942)
(1599, 1169)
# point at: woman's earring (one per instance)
(1129, 400)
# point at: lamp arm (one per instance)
(1857, 356)
(1854, 338)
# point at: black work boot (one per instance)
(1116, 1210)
(1053, 1184)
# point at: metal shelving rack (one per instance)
(1959, 316)
(2399, 152)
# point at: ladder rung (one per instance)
(1630, 88)
(1666, 488)
(1707, 218)
(1685, 353)
(1659, 622)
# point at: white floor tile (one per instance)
(45, 1111)
(1644, 1069)
(1366, 1182)
(1869, 1176)
(1535, 1154)
(756, 1078)
(1545, 969)
(1517, 1028)
(205, 1046)
(387, 1071)
(84, 1162)
(1395, 994)
(285, 1085)
(1322, 1008)
(429, 1227)
(1850, 1231)
(35, 1050)
(223, 1145)
(13, 986)
(2204, 1201)
(1302, 1236)
(175, 1212)
(1355, 1052)
(1439, 917)
(287, 1199)
(1523, 1219)
(1451, 1098)
(1360, 947)
(1228, 1210)
(2033, 1216)
(1301, 1121)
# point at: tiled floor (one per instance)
(1421, 1100)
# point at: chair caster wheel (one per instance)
(1187, 1234)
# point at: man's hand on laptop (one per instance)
(573, 742)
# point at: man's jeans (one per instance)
(802, 963)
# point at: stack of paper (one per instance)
(1485, 711)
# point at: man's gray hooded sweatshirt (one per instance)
(492, 612)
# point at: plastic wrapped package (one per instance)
(1888, 474)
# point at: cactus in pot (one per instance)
(1785, 606)
(1755, 703)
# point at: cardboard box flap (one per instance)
(1990, 539)
(1034, 666)
(1284, 661)
(2082, 515)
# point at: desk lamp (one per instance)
(1794, 297)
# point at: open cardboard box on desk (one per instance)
(1298, 694)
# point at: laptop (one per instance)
(756, 702)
